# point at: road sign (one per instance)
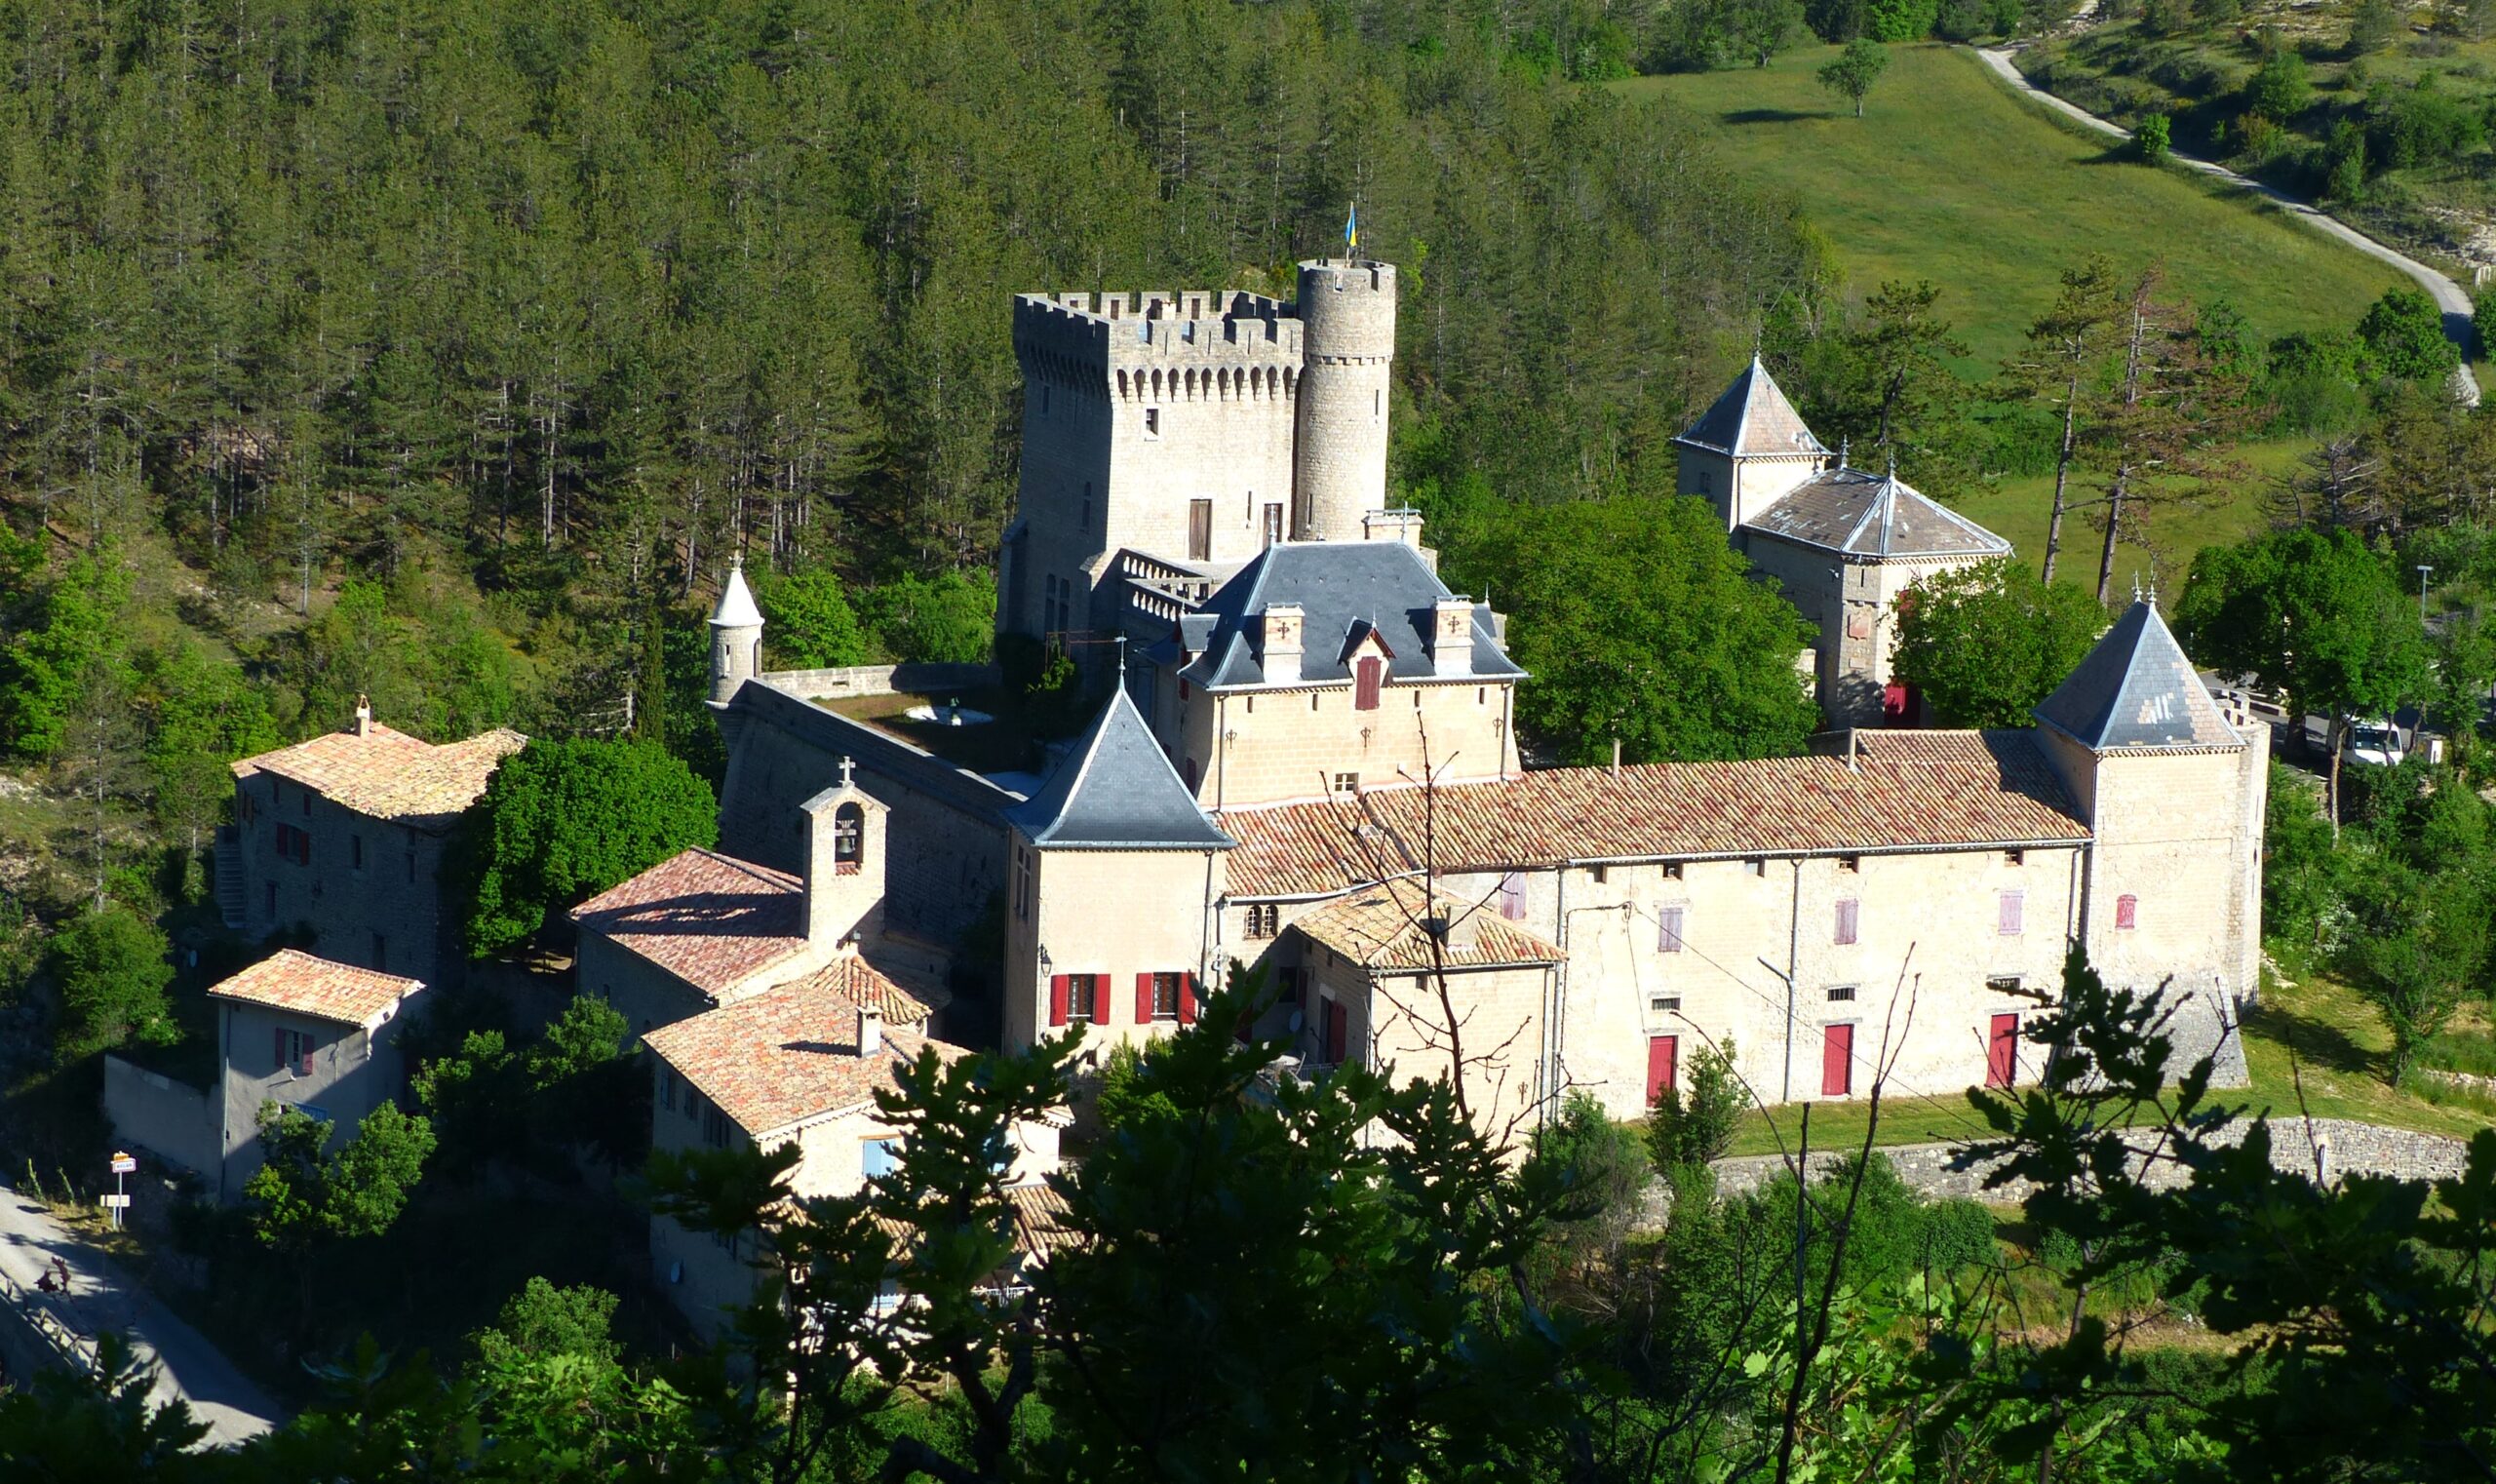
(116, 1202)
(124, 1164)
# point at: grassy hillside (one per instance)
(1950, 177)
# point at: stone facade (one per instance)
(1196, 427)
(1273, 745)
(335, 1072)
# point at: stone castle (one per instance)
(1204, 516)
(1306, 767)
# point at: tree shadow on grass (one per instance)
(2317, 1042)
(1773, 116)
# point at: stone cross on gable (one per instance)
(846, 763)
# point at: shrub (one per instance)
(2281, 87)
(812, 626)
(1899, 20)
(1957, 1235)
(1697, 1127)
(2420, 125)
(1600, 1163)
(949, 619)
(112, 972)
(2403, 335)
(2373, 26)
(1121, 1099)
(2154, 137)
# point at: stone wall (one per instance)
(174, 1120)
(884, 679)
(2336, 1146)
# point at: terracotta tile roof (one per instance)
(1911, 789)
(1041, 1226)
(857, 982)
(1381, 928)
(785, 1054)
(301, 985)
(388, 774)
(710, 919)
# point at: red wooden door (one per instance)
(1336, 1030)
(1664, 1053)
(1837, 1061)
(2002, 1052)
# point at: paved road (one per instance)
(2449, 296)
(101, 1297)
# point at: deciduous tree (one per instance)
(1985, 644)
(1852, 73)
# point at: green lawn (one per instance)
(1950, 177)
(2314, 1044)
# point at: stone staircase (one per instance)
(229, 875)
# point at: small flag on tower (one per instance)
(1352, 231)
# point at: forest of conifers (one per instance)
(527, 315)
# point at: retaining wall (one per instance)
(2335, 1146)
(170, 1119)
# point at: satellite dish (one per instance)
(1297, 1019)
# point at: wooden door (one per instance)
(1337, 1031)
(2002, 1052)
(1837, 1061)
(1199, 530)
(1663, 1054)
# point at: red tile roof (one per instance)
(1381, 928)
(710, 919)
(784, 1056)
(388, 774)
(861, 983)
(299, 984)
(1908, 791)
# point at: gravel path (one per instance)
(2449, 296)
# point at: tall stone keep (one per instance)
(1347, 346)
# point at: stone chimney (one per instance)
(870, 1030)
(1452, 637)
(1279, 643)
(364, 716)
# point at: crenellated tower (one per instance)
(1348, 344)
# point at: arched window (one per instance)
(848, 839)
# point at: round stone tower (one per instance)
(736, 635)
(1348, 349)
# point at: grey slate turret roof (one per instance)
(1753, 416)
(1116, 792)
(1859, 513)
(1346, 591)
(2136, 689)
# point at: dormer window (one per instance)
(1368, 674)
(848, 839)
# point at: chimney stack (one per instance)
(1452, 637)
(364, 716)
(870, 1030)
(1281, 642)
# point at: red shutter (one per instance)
(2013, 910)
(1057, 999)
(1338, 1031)
(2001, 1051)
(1143, 1000)
(1663, 1054)
(1837, 1061)
(1105, 1005)
(1186, 999)
(1365, 681)
(1845, 920)
(2127, 913)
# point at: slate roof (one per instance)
(1753, 416)
(1380, 929)
(387, 774)
(2136, 689)
(709, 918)
(784, 1056)
(321, 989)
(1859, 513)
(1346, 591)
(1116, 792)
(1919, 790)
